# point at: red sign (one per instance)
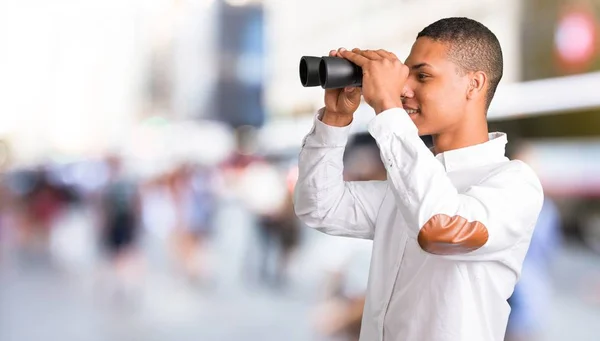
(576, 40)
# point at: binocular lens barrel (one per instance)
(329, 72)
(309, 71)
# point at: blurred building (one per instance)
(557, 107)
(238, 99)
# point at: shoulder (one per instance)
(516, 170)
(520, 179)
(521, 173)
(513, 176)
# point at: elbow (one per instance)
(445, 235)
(308, 214)
(311, 220)
(306, 217)
(306, 208)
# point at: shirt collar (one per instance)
(477, 155)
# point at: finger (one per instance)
(386, 54)
(365, 53)
(372, 55)
(332, 53)
(354, 57)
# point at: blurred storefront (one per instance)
(557, 108)
(561, 57)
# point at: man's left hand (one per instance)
(384, 76)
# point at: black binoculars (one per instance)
(329, 72)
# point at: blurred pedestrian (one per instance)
(119, 232)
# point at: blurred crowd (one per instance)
(171, 209)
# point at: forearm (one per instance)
(419, 181)
(320, 170)
(322, 199)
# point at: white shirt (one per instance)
(450, 231)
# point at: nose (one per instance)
(407, 92)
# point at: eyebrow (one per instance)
(418, 66)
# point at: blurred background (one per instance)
(148, 153)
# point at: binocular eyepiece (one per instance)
(329, 72)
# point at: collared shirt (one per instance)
(449, 231)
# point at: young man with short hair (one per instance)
(451, 225)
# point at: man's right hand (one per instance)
(340, 104)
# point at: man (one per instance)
(451, 225)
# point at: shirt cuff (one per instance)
(327, 136)
(391, 121)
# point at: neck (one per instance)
(471, 132)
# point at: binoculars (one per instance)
(329, 72)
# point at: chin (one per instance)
(424, 130)
(421, 127)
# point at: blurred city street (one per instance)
(149, 164)
(43, 301)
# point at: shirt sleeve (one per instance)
(484, 219)
(322, 199)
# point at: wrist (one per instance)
(336, 120)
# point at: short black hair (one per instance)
(471, 45)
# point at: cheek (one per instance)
(457, 91)
(444, 101)
(432, 100)
(440, 107)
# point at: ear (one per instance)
(477, 85)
